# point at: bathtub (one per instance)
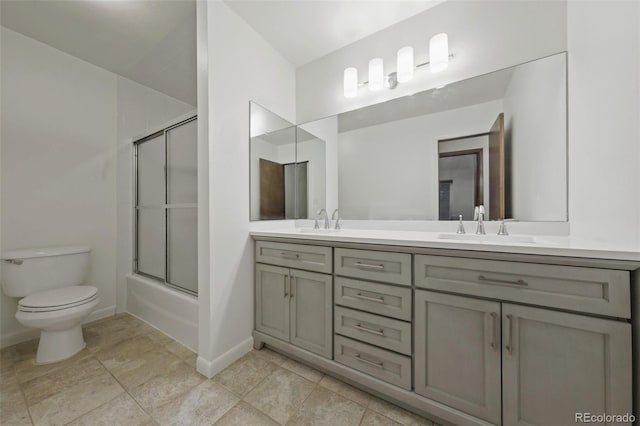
(170, 311)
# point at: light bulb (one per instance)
(376, 74)
(350, 82)
(439, 52)
(405, 64)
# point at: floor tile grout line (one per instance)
(24, 398)
(265, 378)
(163, 347)
(305, 400)
(125, 391)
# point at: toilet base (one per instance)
(58, 345)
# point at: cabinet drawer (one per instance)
(374, 265)
(377, 298)
(384, 332)
(598, 291)
(385, 365)
(311, 258)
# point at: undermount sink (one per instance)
(318, 231)
(489, 238)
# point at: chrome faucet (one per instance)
(460, 226)
(319, 215)
(502, 230)
(478, 214)
(336, 216)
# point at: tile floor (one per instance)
(131, 374)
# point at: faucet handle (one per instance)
(315, 224)
(476, 212)
(336, 216)
(502, 230)
(460, 229)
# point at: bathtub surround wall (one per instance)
(66, 162)
(242, 66)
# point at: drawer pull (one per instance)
(369, 298)
(366, 361)
(509, 346)
(369, 266)
(495, 280)
(494, 326)
(379, 331)
(293, 256)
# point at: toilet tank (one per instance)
(29, 271)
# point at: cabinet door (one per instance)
(457, 353)
(311, 317)
(557, 364)
(272, 300)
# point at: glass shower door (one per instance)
(182, 203)
(167, 206)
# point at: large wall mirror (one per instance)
(497, 140)
(287, 168)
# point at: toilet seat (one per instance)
(58, 299)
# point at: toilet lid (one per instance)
(58, 298)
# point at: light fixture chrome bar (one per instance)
(386, 77)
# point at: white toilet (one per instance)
(49, 281)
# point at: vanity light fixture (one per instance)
(376, 74)
(350, 82)
(438, 62)
(405, 64)
(439, 52)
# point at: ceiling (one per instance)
(305, 30)
(151, 42)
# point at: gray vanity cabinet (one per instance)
(557, 364)
(272, 300)
(311, 307)
(457, 353)
(295, 306)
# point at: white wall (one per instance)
(141, 110)
(483, 35)
(365, 192)
(58, 161)
(535, 108)
(241, 67)
(604, 111)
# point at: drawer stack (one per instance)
(372, 317)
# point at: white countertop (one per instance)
(541, 245)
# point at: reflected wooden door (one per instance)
(497, 170)
(271, 190)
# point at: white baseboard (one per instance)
(211, 368)
(25, 334)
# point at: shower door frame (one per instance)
(136, 142)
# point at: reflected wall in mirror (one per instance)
(287, 172)
(498, 140)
